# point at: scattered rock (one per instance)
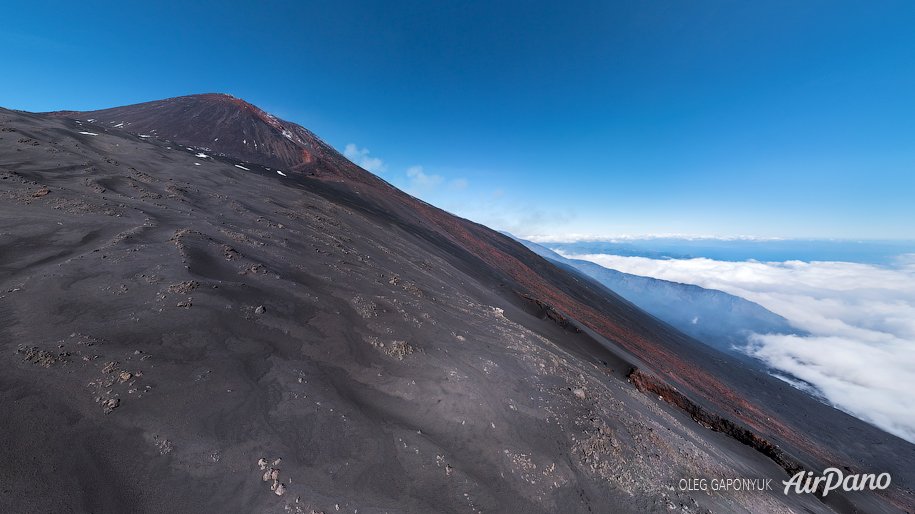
(254, 269)
(41, 357)
(111, 404)
(183, 287)
(395, 349)
(260, 309)
(412, 289)
(272, 475)
(41, 192)
(579, 393)
(164, 445)
(125, 376)
(365, 307)
(400, 349)
(229, 253)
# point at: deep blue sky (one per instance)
(766, 118)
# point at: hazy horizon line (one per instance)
(614, 238)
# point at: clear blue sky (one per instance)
(766, 118)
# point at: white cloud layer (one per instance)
(361, 157)
(860, 353)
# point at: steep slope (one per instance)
(367, 294)
(720, 319)
(169, 320)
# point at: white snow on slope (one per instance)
(242, 167)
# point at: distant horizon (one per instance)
(592, 238)
(886, 254)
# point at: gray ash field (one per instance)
(177, 321)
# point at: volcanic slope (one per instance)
(171, 316)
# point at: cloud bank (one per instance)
(860, 354)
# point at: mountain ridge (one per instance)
(222, 123)
(498, 267)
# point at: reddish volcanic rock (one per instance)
(221, 124)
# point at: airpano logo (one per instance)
(832, 479)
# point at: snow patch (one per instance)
(242, 167)
(281, 173)
(201, 155)
(89, 133)
(119, 125)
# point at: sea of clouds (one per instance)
(860, 354)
